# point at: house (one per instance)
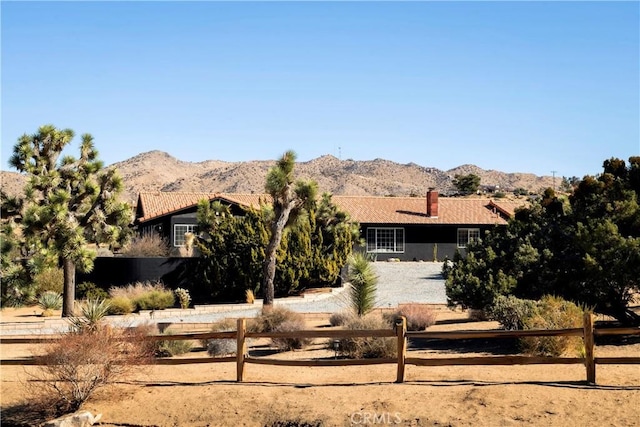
(406, 228)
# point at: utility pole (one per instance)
(554, 180)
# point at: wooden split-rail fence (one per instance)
(587, 333)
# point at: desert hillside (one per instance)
(158, 171)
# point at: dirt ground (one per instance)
(207, 394)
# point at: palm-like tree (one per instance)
(289, 199)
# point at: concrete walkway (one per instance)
(398, 282)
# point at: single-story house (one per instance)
(406, 228)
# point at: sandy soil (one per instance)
(207, 394)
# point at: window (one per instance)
(179, 231)
(466, 235)
(385, 239)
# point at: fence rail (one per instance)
(587, 333)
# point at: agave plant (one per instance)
(50, 300)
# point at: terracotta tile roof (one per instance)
(413, 210)
(364, 209)
(160, 203)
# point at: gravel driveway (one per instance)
(398, 282)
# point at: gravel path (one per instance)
(398, 282)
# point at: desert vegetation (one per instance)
(311, 253)
(92, 355)
(147, 245)
(67, 204)
(140, 296)
(584, 248)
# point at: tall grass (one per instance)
(143, 295)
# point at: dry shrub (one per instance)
(49, 279)
(368, 347)
(220, 346)
(478, 315)
(298, 422)
(135, 290)
(280, 319)
(149, 245)
(285, 344)
(269, 319)
(419, 317)
(553, 313)
(169, 348)
(73, 367)
(340, 318)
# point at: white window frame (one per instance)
(466, 235)
(397, 246)
(189, 228)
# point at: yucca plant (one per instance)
(50, 300)
(249, 296)
(183, 297)
(93, 311)
(362, 295)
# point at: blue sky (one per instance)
(513, 86)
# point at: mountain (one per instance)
(159, 171)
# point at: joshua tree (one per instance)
(68, 204)
(289, 199)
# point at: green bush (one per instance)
(121, 305)
(145, 295)
(367, 347)
(155, 300)
(512, 313)
(49, 279)
(549, 313)
(553, 313)
(89, 290)
(419, 317)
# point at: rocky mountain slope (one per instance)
(158, 171)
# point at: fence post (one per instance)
(241, 349)
(401, 333)
(589, 361)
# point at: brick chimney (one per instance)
(432, 203)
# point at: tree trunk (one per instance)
(69, 290)
(269, 265)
